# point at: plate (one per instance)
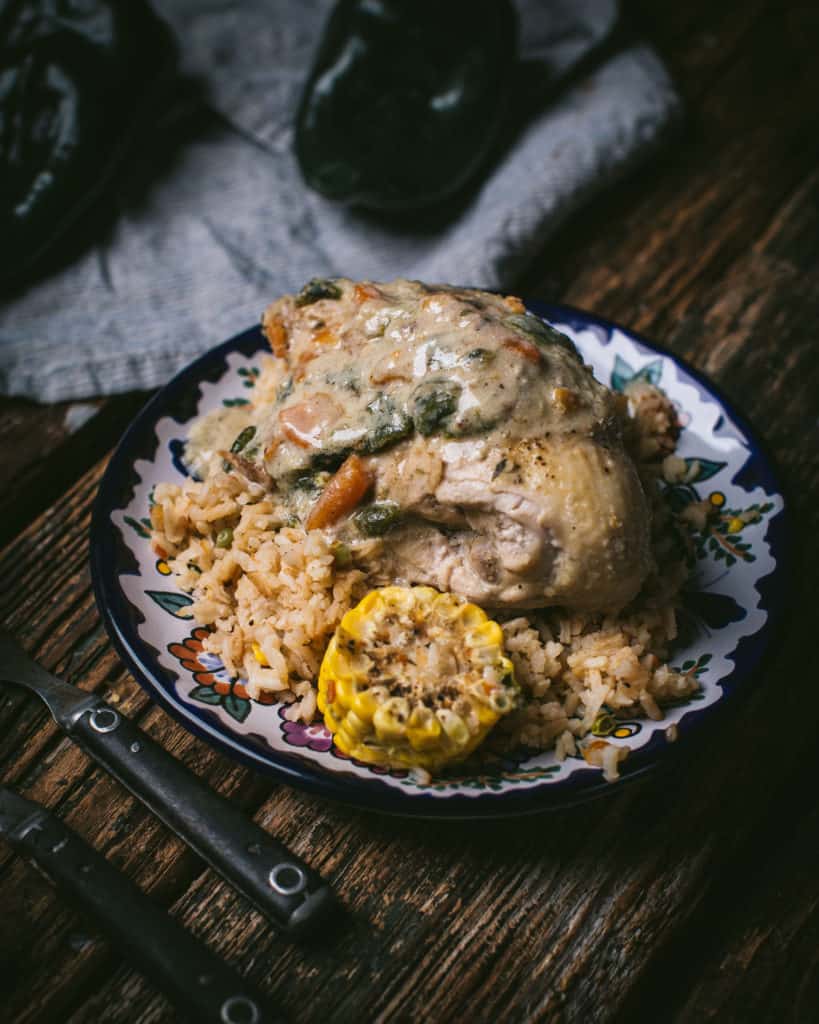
(734, 599)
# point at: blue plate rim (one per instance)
(373, 794)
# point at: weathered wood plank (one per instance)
(766, 964)
(750, 951)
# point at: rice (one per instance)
(272, 597)
(272, 594)
(572, 669)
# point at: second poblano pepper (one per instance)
(406, 99)
(75, 79)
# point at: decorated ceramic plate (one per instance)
(731, 605)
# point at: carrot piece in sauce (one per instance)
(524, 348)
(514, 303)
(325, 337)
(341, 495)
(276, 334)
(363, 291)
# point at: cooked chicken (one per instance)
(480, 441)
(545, 521)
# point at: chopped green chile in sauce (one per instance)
(480, 427)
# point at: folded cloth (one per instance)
(228, 224)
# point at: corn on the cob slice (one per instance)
(414, 678)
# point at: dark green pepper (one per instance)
(311, 483)
(330, 460)
(406, 99)
(342, 555)
(76, 82)
(318, 288)
(376, 519)
(544, 334)
(389, 425)
(433, 402)
(243, 439)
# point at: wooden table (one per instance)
(686, 896)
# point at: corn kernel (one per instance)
(454, 726)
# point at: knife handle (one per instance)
(289, 893)
(203, 987)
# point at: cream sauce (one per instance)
(386, 361)
(213, 434)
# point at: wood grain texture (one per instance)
(685, 896)
(46, 447)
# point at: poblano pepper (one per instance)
(73, 77)
(406, 99)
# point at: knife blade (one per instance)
(288, 892)
(199, 983)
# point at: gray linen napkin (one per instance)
(228, 225)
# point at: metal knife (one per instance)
(284, 888)
(202, 985)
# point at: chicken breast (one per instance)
(496, 459)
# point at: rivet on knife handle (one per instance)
(286, 890)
